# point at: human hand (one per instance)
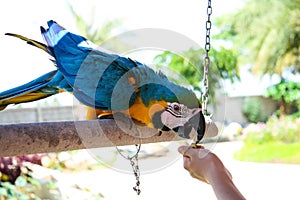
(203, 164)
(207, 167)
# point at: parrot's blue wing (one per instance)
(105, 72)
(92, 74)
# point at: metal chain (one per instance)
(206, 59)
(136, 171)
(134, 162)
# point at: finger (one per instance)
(183, 149)
(202, 153)
(186, 163)
(187, 151)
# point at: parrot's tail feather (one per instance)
(35, 43)
(54, 34)
(32, 91)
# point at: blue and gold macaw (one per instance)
(107, 83)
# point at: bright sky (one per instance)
(21, 63)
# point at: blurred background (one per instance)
(254, 94)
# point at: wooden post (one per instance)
(31, 138)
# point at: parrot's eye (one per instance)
(176, 108)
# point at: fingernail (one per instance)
(180, 149)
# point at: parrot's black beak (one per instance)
(197, 122)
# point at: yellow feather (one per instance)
(138, 111)
(141, 113)
(93, 113)
(29, 41)
(23, 98)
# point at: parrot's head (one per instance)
(171, 106)
(181, 119)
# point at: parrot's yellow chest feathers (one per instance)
(142, 113)
(138, 111)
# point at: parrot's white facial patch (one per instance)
(177, 115)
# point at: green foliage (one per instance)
(287, 90)
(266, 34)
(276, 141)
(252, 110)
(16, 181)
(22, 189)
(190, 65)
(225, 60)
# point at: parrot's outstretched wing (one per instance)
(42, 87)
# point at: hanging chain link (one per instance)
(136, 171)
(206, 59)
(134, 162)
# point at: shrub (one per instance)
(15, 179)
(284, 129)
(276, 141)
(252, 110)
(287, 93)
(12, 167)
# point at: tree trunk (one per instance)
(284, 108)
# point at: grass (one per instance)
(272, 152)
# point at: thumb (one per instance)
(182, 149)
(187, 151)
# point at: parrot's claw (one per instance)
(120, 117)
(110, 116)
(159, 133)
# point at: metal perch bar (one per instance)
(31, 138)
